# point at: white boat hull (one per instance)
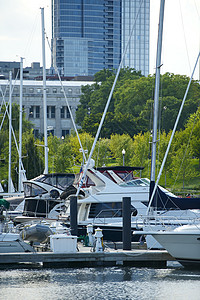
(183, 244)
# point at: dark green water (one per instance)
(173, 282)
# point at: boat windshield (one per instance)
(61, 181)
(32, 190)
(136, 182)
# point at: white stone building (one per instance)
(58, 118)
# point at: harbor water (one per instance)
(173, 282)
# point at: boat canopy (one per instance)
(4, 203)
(163, 200)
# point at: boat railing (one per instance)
(108, 213)
(8, 227)
(166, 222)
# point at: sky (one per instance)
(21, 34)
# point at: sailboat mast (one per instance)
(20, 126)
(44, 94)
(10, 137)
(156, 96)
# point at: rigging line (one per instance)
(4, 102)
(184, 36)
(3, 94)
(6, 105)
(31, 35)
(197, 9)
(159, 123)
(168, 200)
(6, 111)
(172, 135)
(185, 150)
(69, 108)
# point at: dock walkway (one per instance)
(85, 257)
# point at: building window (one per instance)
(64, 112)
(37, 112)
(50, 132)
(54, 91)
(65, 132)
(36, 133)
(51, 112)
(34, 112)
(31, 90)
(69, 91)
(31, 112)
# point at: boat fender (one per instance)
(70, 190)
(54, 194)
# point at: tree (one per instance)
(193, 131)
(131, 107)
(94, 98)
(4, 142)
(182, 164)
(117, 144)
(32, 161)
(63, 158)
(142, 153)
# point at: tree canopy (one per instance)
(131, 107)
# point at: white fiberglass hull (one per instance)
(184, 245)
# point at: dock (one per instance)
(86, 258)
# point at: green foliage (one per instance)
(127, 125)
(101, 152)
(181, 164)
(131, 107)
(117, 144)
(93, 101)
(142, 153)
(4, 142)
(63, 158)
(33, 161)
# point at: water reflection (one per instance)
(100, 283)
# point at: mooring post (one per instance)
(73, 215)
(126, 232)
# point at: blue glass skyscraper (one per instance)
(90, 35)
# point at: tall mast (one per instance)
(20, 127)
(156, 96)
(44, 94)
(10, 136)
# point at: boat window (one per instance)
(38, 207)
(125, 176)
(61, 181)
(108, 210)
(32, 190)
(64, 181)
(135, 182)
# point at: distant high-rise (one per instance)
(90, 35)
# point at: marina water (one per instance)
(173, 282)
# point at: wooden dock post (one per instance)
(73, 215)
(126, 232)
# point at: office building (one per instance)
(91, 35)
(59, 122)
